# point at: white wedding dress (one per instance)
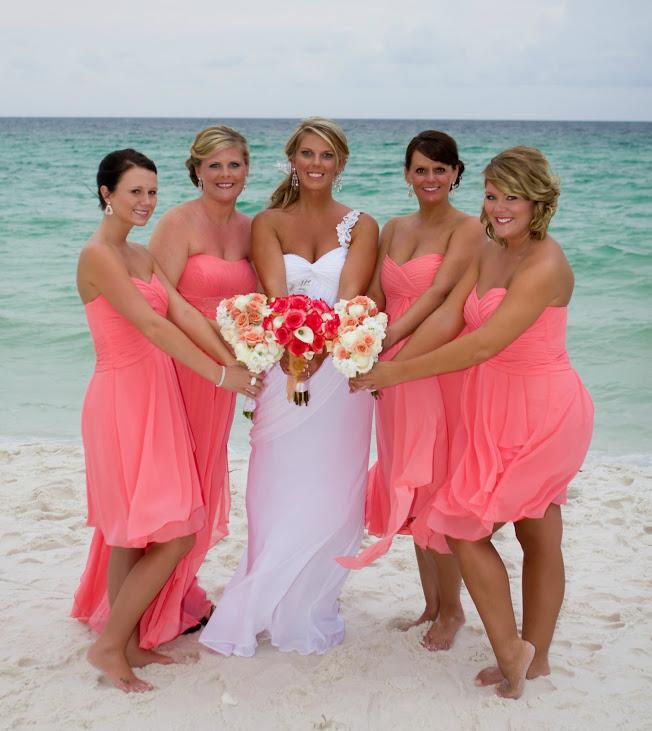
(305, 498)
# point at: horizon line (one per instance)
(351, 119)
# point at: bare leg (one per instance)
(121, 562)
(428, 576)
(543, 589)
(140, 586)
(441, 634)
(487, 581)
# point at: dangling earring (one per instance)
(337, 183)
(200, 184)
(452, 190)
(410, 190)
(108, 209)
(294, 180)
(244, 187)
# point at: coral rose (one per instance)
(294, 318)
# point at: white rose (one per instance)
(241, 301)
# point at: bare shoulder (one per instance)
(367, 223)
(177, 217)
(548, 265)
(466, 225)
(397, 224)
(548, 254)
(269, 218)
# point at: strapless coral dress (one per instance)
(141, 478)
(526, 422)
(411, 431)
(204, 283)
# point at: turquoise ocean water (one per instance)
(48, 209)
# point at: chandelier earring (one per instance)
(410, 190)
(294, 179)
(337, 183)
(108, 209)
(200, 184)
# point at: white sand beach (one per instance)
(379, 678)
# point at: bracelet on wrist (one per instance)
(222, 377)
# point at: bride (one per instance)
(308, 465)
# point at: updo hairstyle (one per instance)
(211, 140)
(438, 147)
(115, 165)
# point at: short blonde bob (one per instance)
(525, 172)
(211, 140)
(331, 133)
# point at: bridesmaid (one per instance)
(422, 257)
(526, 418)
(203, 247)
(144, 496)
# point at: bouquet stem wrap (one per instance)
(297, 391)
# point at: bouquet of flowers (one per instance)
(304, 327)
(359, 338)
(241, 320)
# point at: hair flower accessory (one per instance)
(284, 166)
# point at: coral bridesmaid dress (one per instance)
(526, 422)
(204, 283)
(411, 431)
(141, 478)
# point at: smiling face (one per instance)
(315, 162)
(431, 180)
(134, 198)
(223, 174)
(509, 215)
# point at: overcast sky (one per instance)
(424, 59)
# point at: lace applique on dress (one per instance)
(344, 228)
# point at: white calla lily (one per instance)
(304, 334)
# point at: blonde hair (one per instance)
(211, 140)
(331, 133)
(524, 171)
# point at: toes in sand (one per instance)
(114, 665)
(515, 671)
(441, 634)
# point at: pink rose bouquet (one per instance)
(241, 322)
(304, 327)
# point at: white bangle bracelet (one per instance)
(222, 377)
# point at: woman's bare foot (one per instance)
(441, 634)
(493, 676)
(114, 665)
(402, 624)
(515, 670)
(138, 658)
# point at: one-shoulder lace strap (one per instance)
(344, 228)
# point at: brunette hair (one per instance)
(331, 133)
(211, 140)
(435, 146)
(525, 172)
(115, 165)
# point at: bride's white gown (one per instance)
(305, 498)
